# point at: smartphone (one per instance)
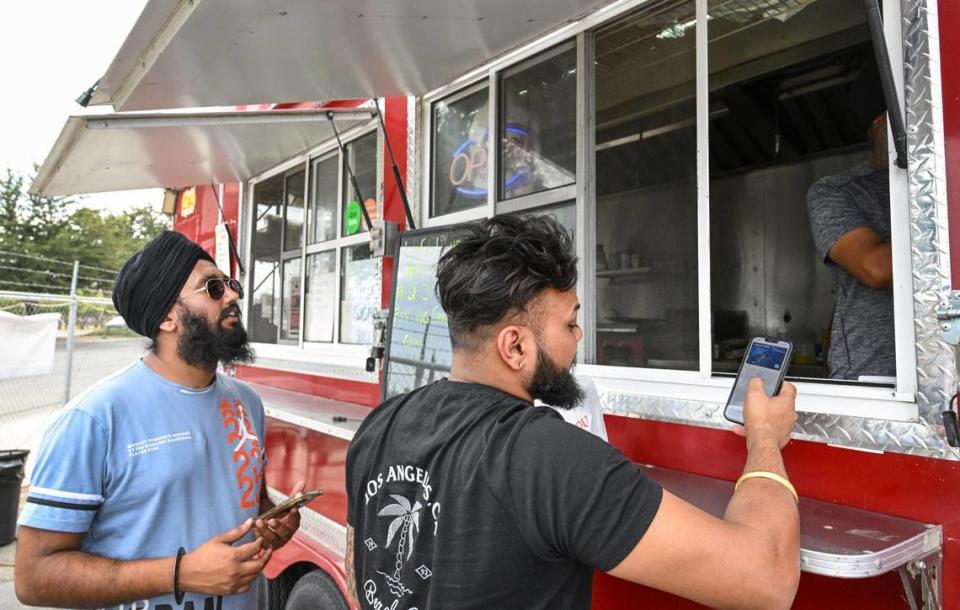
(766, 358)
(296, 501)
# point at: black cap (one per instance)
(866, 95)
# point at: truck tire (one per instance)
(272, 592)
(315, 591)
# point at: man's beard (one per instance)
(554, 385)
(202, 347)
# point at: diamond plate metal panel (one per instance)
(915, 438)
(929, 237)
(413, 158)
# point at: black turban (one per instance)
(866, 95)
(150, 282)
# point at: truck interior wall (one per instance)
(763, 259)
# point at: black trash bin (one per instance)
(11, 477)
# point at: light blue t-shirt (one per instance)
(144, 466)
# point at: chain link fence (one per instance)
(101, 345)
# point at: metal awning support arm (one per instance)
(353, 178)
(894, 108)
(396, 170)
(925, 575)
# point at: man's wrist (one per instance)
(184, 573)
(762, 441)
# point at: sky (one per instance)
(51, 51)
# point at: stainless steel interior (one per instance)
(779, 120)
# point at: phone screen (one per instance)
(764, 360)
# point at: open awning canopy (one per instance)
(188, 54)
(115, 152)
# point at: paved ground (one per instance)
(28, 404)
(8, 597)
(93, 358)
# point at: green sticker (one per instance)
(354, 216)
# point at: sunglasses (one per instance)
(216, 287)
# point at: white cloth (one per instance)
(27, 344)
(589, 413)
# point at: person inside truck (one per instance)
(462, 494)
(147, 487)
(850, 220)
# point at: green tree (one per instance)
(40, 237)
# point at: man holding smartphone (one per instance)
(147, 488)
(462, 494)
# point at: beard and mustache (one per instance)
(203, 347)
(554, 385)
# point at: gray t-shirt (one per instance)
(861, 338)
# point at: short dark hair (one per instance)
(498, 266)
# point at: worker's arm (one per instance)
(751, 557)
(843, 234)
(348, 568)
(51, 570)
(863, 254)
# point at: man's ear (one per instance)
(515, 344)
(170, 321)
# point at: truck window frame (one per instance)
(335, 358)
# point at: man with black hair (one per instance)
(462, 494)
(147, 487)
(850, 220)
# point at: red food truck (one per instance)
(323, 150)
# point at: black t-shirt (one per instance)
(463, 496)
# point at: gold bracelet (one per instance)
(763, 474)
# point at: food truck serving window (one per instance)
(314, 211)
(461, 155)
(734, 172)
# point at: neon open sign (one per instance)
(471, 159)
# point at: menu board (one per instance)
(418, 346)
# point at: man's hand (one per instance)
(277, 531)
(217, 568)
(766, 418)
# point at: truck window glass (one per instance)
(323, 205)
(265, 273)
(783, 119)
(359, 294)
(362, 156)
(321, 294)
(538, 123)
(461, 136)
(646, 138)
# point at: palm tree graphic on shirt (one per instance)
(406, 519)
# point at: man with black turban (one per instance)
(850, 219)
(147, 488)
